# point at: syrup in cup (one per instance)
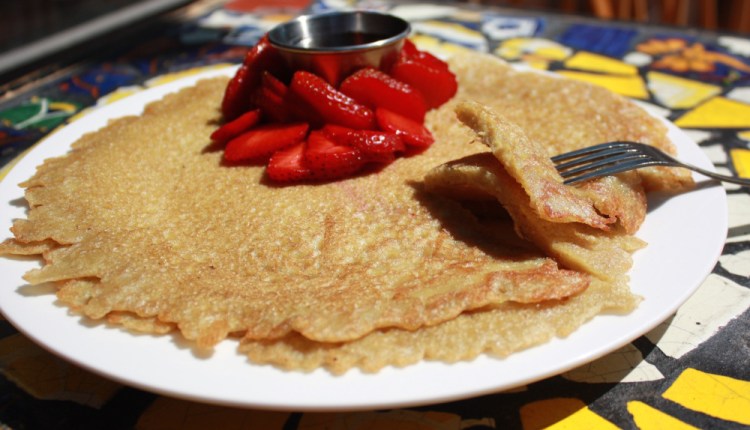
(334, 45)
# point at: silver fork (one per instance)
(614, 157)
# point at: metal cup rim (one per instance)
(277, 34)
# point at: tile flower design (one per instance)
(680, 55)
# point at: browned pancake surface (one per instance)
(145, 213)
(143, 225)
(498, 331)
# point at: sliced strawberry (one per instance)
(332, 105)
(437, 86)
(269, 97)
(271, 105)
(298, 109)
(278, 104)
(413, 133)
(408, 49)
(429, 60)
(327, 159)
(375, 146)
(235, 127)
(259, 143)
(237, 94)
(273, 84)
(410, 52)
(239, 91)
(338, 134)
(375, 89)
(288, 165)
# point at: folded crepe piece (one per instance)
(565, 114)
(519, 174)
(576, 246)
(527, 161)
(620, 197)
(596, 203)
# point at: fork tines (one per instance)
(615, 157)
(601, 160)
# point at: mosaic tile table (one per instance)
(693, 371)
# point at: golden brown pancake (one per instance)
(502, 329)
(150, 225)
(143, 225)
(498, 331)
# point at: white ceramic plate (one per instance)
(685, 235)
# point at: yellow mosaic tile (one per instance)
(741, 161)
(562, 414)
(437, 46)
(675, 92)
(648, 418)
(628, 86)
(453, 32)
(718, 112)
(599, 63)
(540, 49)
(716, 395)
(454, 28)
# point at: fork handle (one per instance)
(724, 178)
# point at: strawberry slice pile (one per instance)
(305, 129)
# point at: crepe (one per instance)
(160, 230)
(527, 161)
(143, 225)
(482, 177)
(566, 114)
(515, 166)
(558, 219)
(498, 331)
